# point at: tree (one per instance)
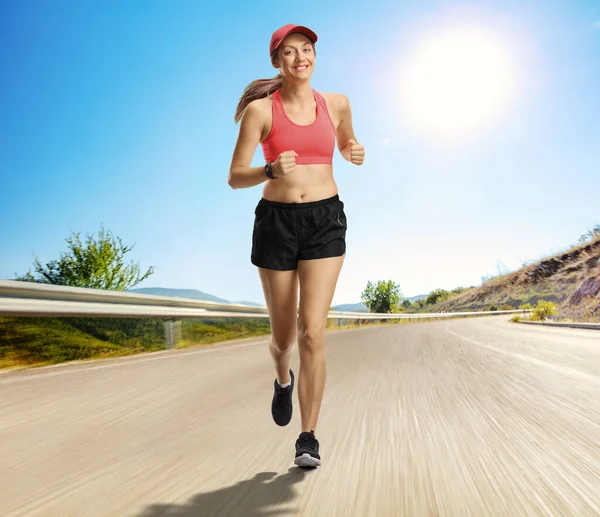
(384, 296)
(501, 268)
(97, 264)
(590, 234)
(406, 304)
(439, 295)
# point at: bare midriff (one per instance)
(305, 184)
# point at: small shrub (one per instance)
(544, 310)
(526, 307)
(516, 319)
(439, 295)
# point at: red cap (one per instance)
(280, 34)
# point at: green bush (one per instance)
(544, 310)
(526, 307)
(516, 318)
(439, 295)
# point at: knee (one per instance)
(281, 346)
(311, 335)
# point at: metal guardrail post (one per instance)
(172, 333)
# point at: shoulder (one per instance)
(257, 112)
(337, 101)
(259, 107)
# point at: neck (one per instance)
(297, 92)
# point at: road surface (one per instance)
(471, 417)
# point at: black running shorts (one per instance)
(285, 233)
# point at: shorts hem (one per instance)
(332, 255)
(280, 268)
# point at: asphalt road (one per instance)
(472, 417)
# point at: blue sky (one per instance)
(121, 114)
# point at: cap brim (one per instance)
(311, 35)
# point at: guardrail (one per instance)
(33, 299)
(573, 325)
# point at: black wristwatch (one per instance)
(269, 171)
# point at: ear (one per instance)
(275, 59)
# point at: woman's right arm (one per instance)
(241, 175)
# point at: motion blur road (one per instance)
(469, 417)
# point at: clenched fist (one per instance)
(285, 163)
(354, 152)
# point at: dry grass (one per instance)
(555, 278)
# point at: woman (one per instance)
(300, 226)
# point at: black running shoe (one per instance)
(281, 407)
(307, 450)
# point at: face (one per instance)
(295, 57)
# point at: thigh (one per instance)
(318, 279)
(281, 294)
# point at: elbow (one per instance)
(231, 181)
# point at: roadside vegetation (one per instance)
(562, 287)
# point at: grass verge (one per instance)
(30, 342)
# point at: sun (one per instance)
(456, 83)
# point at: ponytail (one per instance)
(257, 90)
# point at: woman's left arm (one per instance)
(349, 148)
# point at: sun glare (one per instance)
(457, 83)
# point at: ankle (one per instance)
(284, 383)
(285, 380)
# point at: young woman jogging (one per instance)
(298, 240)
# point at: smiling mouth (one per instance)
(300, 68)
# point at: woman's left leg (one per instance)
(318, 279)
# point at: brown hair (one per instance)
(260, 88)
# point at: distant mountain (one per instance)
(179, 293)
(361, 307)
(351, 307)
(200, 295)
(413, 299)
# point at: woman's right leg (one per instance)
(281, 295)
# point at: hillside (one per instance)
(571, 279)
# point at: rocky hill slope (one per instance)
(570, 279)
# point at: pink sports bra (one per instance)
(314, 143)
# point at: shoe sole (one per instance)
(281, 424)
(306, 460)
